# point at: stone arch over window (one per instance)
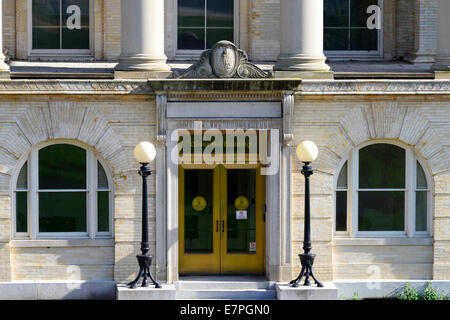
(62, 190)
(388, 120)
(59, 121)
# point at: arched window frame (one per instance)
(411, 158)
(32, 160)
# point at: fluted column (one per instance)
(442, 65)
(301, 37)
(142, 52)
(4, 68)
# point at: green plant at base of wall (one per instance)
(427, 294)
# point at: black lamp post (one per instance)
(144, 153)
(307, 152)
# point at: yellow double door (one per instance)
(221, 220)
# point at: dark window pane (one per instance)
(342, 179)
(220, 13)
(421, 178)
(336, 13)
(336, 39)
(46, 13)
(22, 180)
(102, 180)
(381, 211)
(363, 39)
(381, 166)
(198, 208)
(341, 211)
(46, 24)
(46, 38)
(62, 212)
(75, 36)
(191, 39)
(421, 210)
(75, 39)
(21, 212)
(216, 35)
(358, 12)
(103, 211)
(191, 13)
(62, 166)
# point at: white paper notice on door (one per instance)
(241, 215)
(252, 247)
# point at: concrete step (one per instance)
(224, 285)
(225, 288)
(230, 294)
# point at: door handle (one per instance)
(217, 225)
(223, 225)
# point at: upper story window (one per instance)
(349, 28)
(202, 23)
(60, 25)
(382, 191)
(62, 190)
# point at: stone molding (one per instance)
(397, 87)
(185, 87)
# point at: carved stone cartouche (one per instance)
(224, 60)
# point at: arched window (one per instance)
(382, 190)
(62, 190)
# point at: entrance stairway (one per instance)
(225, 288)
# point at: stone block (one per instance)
(167, 292)
(286, 292)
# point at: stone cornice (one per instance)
(374, 87)
(254, 86)
(58, 86)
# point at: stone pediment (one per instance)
(224, 60)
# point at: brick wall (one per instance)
(112, 127)
(264, 30)
(9, 27)
(112, 33)
(339, 124)
(405, 28)
(425, 32)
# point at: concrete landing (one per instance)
(286, 292)
(167, 292)
(225, 288)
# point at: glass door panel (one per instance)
(199, 214)
(243, 242)
(241, 226)
(198, 211)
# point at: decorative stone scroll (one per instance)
(224, 60)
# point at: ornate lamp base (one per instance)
(145, 263)
(307, 261)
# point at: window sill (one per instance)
(47, 243)
(403, 241)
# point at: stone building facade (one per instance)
(396, 93)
